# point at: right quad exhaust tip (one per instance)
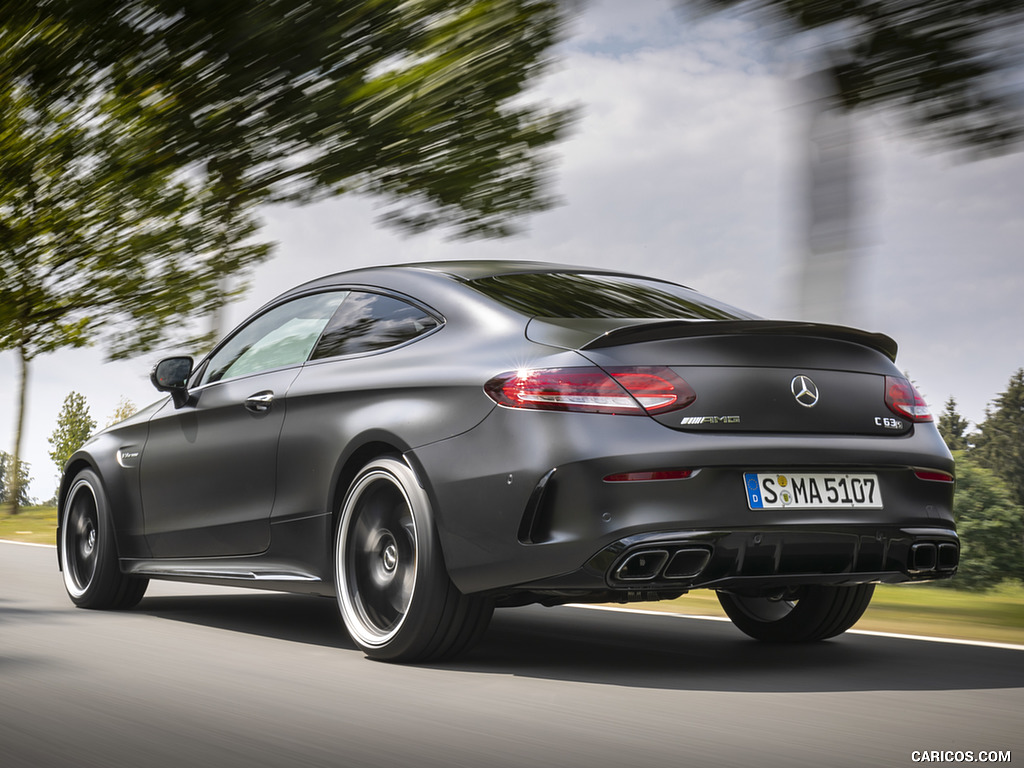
(929, 557)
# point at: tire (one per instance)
(393, 589)
(815, 613)
(88, 552)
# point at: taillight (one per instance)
(933, 476)
(658, 474)
(626, 391)
(904, 400)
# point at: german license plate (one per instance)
(800, 490)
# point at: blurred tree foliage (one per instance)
(138, 136)
(125, 408)
(999, 442)
(74, 426)
(989, 501)
(990, 525)
(953, 427)
(9, 486)
(946, 69)
(292, 99)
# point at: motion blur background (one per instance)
(689, 162)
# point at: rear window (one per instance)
(574, 295)
(366, 322)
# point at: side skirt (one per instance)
(298, 560)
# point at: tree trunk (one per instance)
(15, 488)
(831, 256)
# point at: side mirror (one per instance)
(171, 375)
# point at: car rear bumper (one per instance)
(763, 560)
(521, 502)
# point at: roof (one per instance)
(474, 269)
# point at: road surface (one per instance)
(200, 676)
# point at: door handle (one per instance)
(259, 402)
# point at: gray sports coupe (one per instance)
(429, 441)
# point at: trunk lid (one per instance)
(750, 375)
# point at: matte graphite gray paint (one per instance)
(243, 484)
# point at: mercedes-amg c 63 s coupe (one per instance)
(426, 442)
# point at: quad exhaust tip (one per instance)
(949, 556)
(923, 557)
(648, 564)
(927, 557)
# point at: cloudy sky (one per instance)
(686, 165)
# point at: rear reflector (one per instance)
(904, 400)
(933, 475)
(626, 391)
(662, 474)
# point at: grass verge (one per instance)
(911, 609)
(919, 609)
(37, 525)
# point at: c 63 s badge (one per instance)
(889, 422)
(694, 420)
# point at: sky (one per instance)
(685, 165)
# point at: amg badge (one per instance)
(693, 420)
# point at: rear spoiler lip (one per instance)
(675, 329)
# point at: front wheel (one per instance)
(394, 593)
(810, 613)
(88, 552)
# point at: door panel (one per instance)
(208, 471)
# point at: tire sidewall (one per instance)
(817, 615)
(408, 638)
(92, 593)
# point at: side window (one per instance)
(277, 338)
(368, 321)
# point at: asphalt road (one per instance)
(199, 676)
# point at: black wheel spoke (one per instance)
(380, 553)
(395, 596)
(88, 556)
(82, 540)
(806, 614)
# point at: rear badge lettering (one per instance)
(694, 420)
(888, 423)
(128, 456)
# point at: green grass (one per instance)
(35, 524)
(918, 609)
(912, 609)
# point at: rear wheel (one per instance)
(88, 551)
(808, 614)
(394, 593)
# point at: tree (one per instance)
(124, 409)
(13, 487)
(413, 101)
(90, 240)
(953, 427)
(74, 426)
(944, 68)
(991, 528)
(137, 138)
(999, 441)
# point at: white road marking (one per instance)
(894, 635)
(926, 638)
(27, 543)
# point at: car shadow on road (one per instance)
(298, 618)
(635, 650)
(673, 652)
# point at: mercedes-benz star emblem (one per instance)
(804, 390)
